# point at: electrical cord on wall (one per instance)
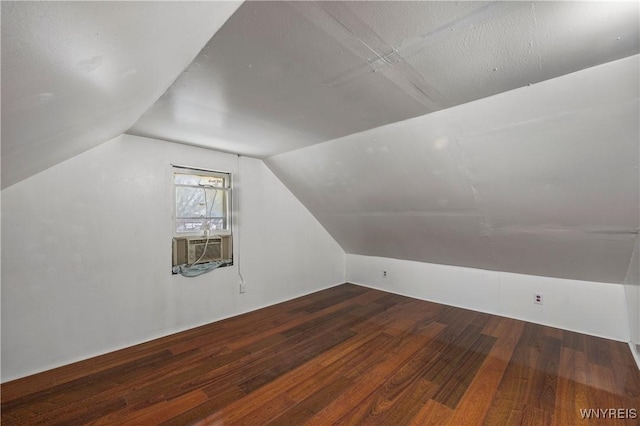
(237, 196)
(208, 218)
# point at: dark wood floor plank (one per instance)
(397, 407)
(573, 340)
(91, 396)
(534, 416)
(403, 348)
(218, 372)
(582, 389)
(434, 414)
(273, 399)
(566, 388)
(449, 352)
(394, 320)
(287, 363)
(352, 360)
(239, 365)
(474, 404)
(350, 365)
(455, 385)
(261, 415)
(405, 383)
(622, 365)
(35, 404)
(542, 388)
(320, 323)
(333, 299)
(300, 317)
(347, 354)
(312, 404)
(514, 388)
(294, 324)
(156, 413)
(597, 350)
(72, 414)
(184, 380)
(230, 394)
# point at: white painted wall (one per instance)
(86, 252)
(593, 308)
(632, 288)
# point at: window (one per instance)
(202, 239)
(202, 202)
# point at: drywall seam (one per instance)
(632, 295)
(629, 274)
(387, 61)
(415, 45)
(542, 118)
(535, 36)
(464, 165)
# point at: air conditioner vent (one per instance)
(189, 250)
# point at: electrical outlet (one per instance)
(537, 299)
(242, 286)
(384, 274)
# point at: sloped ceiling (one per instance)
(388, 120)
(542, 180)
(284, 75)
(75, 74)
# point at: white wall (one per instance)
(86, 253)
(593, 308)
(632, 288)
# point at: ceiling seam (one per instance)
(555, 115)
(403, 76)
(343, 25)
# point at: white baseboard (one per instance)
(596, 309)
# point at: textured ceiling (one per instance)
(280, 76)
(75, 74)
(542, 180)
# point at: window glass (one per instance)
(202, 202)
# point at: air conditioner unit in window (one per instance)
(187, 250)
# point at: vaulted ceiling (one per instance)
(76, 74)
(542, 180)
(388, 120)
(280, 76)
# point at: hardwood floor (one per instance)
(346, 355)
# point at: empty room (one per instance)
(261, 212)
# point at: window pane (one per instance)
(190, 202)
(201, 203)
(215, 202)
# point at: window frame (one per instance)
(227, 188)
